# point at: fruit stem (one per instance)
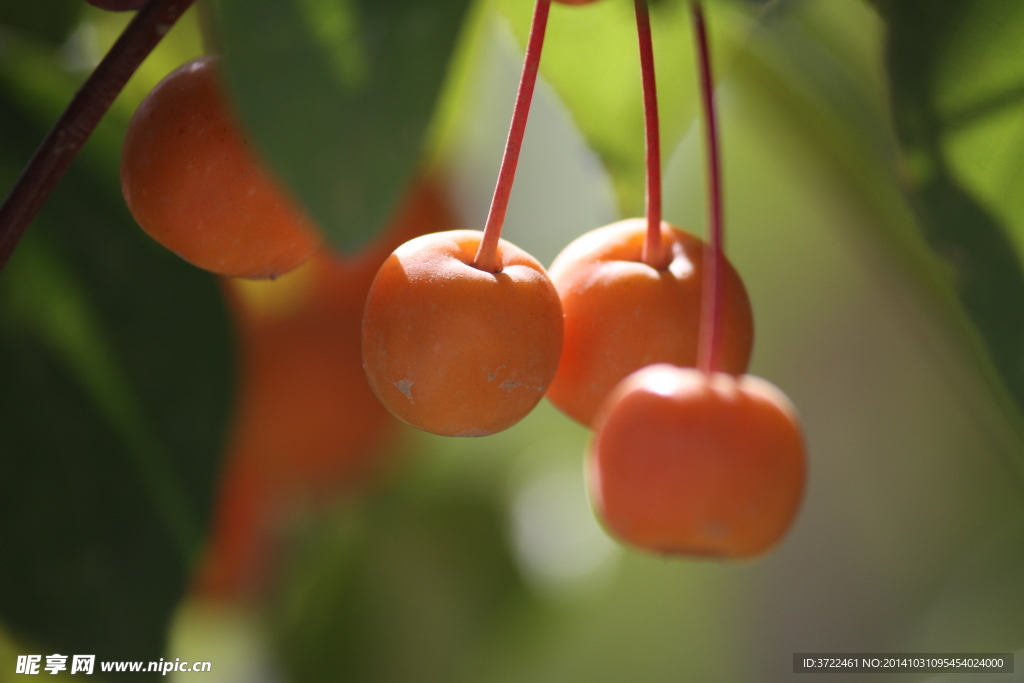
(652, 250)
(62, 144)
(707, 355)
(487, 255)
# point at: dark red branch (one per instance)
(487, 254)
(653, 254)
(710, 321)
(62, 144)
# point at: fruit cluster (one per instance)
(639, 330)
(461, 336)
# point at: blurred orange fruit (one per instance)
(307, 427)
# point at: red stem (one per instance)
(487, 255)
(707, 356)
(62, 144)
(652, 250)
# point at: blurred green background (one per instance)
(874, 206)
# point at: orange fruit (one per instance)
(194, 184)
(455, 350)
(686, 463)
(621, 314)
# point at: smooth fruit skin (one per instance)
(575, 2)
(458, 351)
(194, 185)
(684, 463)
(621, 314)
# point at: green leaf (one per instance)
(957, 82)
(115, 381)
(338, 95)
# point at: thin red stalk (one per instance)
(487, 254)
(652, 250)
(62, 144)
(707, 357)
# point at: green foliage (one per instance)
(115, 382)
(957, 86)
(339, 95)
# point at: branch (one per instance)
(62, 144)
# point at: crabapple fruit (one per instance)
(455, 350)
(684, 462)
(194, 184)
(621, 314)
